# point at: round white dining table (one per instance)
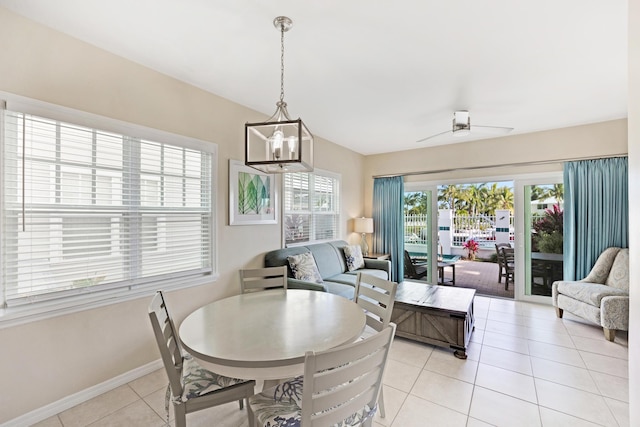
(264, 335)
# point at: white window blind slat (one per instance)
(100, 210)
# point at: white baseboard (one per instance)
(65, 403)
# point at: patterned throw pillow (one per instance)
(304, 267)
(353, 255)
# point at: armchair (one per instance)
(603, 296)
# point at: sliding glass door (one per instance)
(525, 213)
(420, 232)
(540, 236)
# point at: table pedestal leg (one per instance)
(270, 384)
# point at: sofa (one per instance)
(332, 265)
(602, 297)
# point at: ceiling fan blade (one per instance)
(433, 136)
(491, 129)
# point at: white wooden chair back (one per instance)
(340, 382)
(259, 279)
(376, 297)
(168, 342)
(203, 389)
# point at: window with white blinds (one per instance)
(311, 207)
(88, 211)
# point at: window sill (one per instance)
(14, 316)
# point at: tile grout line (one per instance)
(475, 377)
(535, 385)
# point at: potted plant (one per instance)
(471, 246)
(547, 230)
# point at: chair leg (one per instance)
(252, 421)
(381, 402)
(241, 403)
(559, 312)
(609, 334)
(180, 415)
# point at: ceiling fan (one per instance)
(462, 127)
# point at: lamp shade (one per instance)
(363, 225)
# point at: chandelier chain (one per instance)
(281, 62)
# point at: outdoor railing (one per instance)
(415, 229)
(479, 227)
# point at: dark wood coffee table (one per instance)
(438, 315)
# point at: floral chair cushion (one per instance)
(198, 381)
(304, 267)
(281, 406)
(353, 255)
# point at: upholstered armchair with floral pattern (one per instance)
(603, 296)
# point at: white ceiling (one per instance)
(376, 76)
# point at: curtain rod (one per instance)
(541, 162)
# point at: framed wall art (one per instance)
(253, 197)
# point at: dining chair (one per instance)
(376, 297)
(508, 262)
(340, 386)
(413, 269)
(501, 270)
(259, 279)
(191, 387)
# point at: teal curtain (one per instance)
(596, 212)
(388, 222)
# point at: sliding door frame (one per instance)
(427, 187)
(519, 184)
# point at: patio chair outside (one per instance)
(508, 263)
(499, 259)
(413, 269)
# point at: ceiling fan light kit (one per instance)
(461, 123)
(279, 145)
(461, 126)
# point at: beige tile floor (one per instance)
(525, 368)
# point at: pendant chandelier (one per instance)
(279, 145)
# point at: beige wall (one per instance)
(599, 139)
(634, 209)
(67, 354)
(41, 362)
